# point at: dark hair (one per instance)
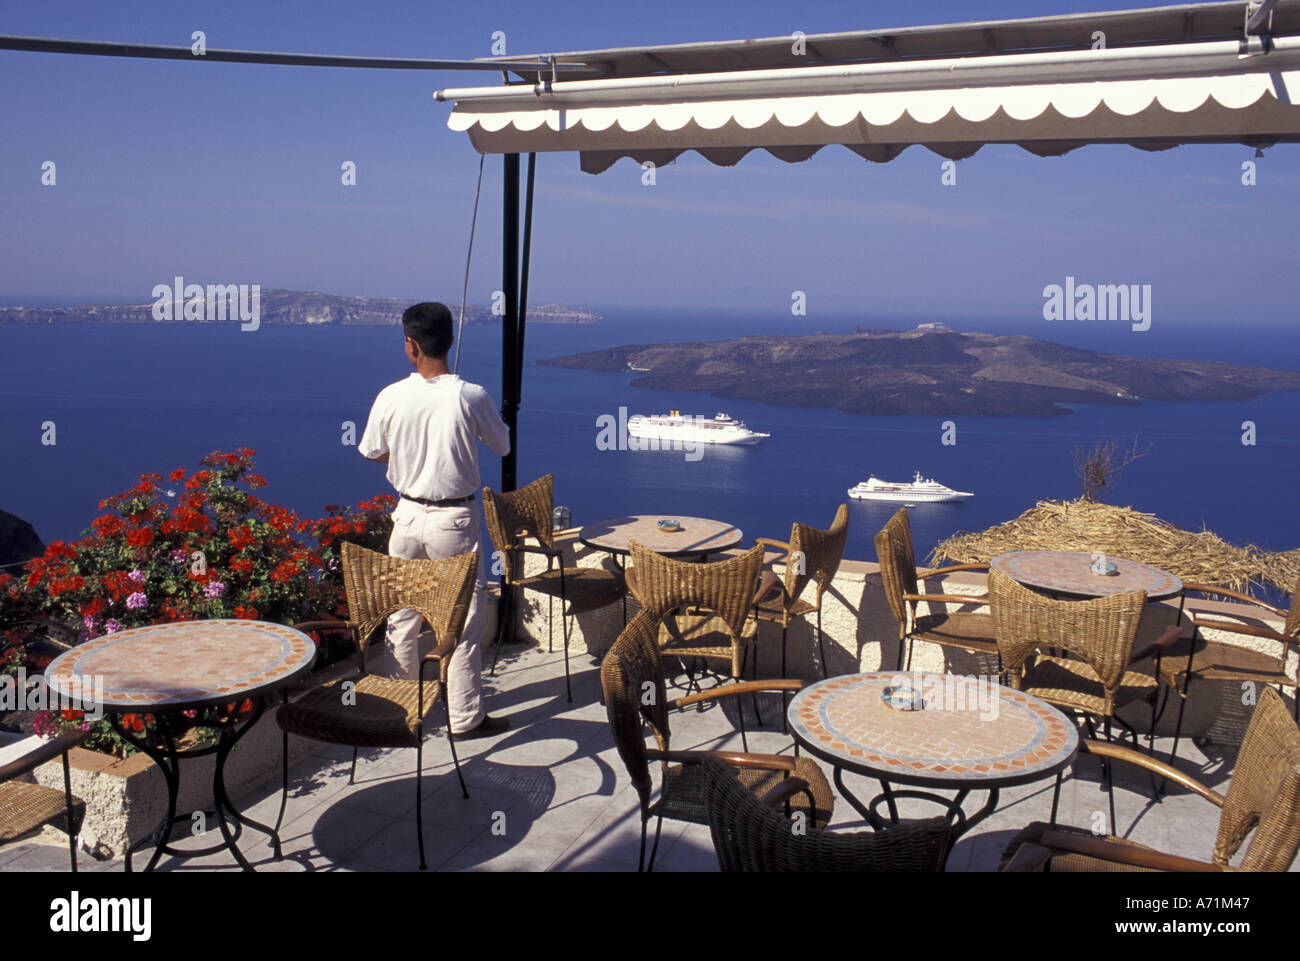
(430, 326)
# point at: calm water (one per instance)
(129, 399)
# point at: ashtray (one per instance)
(669, 525)
(1105, 569)
(902, 698)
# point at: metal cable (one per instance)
(464, 290)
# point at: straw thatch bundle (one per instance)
(1080, 525)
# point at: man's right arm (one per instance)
(374, 440)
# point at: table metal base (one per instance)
(168, 758)
(956, 816)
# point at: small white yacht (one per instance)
(919, 491)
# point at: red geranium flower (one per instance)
(140, 537)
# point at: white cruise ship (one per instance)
(919, 491)
(699, 429)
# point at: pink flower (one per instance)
(136, 575)
(111, 626)
(89, 621)
(136, 601)
(214, 589)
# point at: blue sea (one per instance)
(134, 398)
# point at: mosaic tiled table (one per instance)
(1069, 573)
(697, 537)
(168, 670)
(971, 734)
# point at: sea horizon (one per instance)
(145, 397)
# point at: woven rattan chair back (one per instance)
(632, 678)
(1264, 790)
(1292, 626)
(748, 835)
(815, 555)
(1099, 632)
(378, 585)
(528, 510)
(897, 565)
(726, 587)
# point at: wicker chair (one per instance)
(635, 697)
(749, 834)
(961, 630)
(1263, 795)
(1100, 634)
(703, 608)
(810, 555)
(379, 711)
(26, 807)
(530, 510)
(1218, 661)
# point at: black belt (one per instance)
(447, 502)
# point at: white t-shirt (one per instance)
(429, 429)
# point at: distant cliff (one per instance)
(18, 542)
(278, 306)
(931, 370)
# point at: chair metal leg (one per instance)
(1178, 725)
(821, 647)
(1056, 795)
(568, 684)
(419, 798)
(69, 813)
(455, 758)
(352, 775)
(785, 702)
(659, 823)
(505, 619)
(640, 861)
(1110, 783)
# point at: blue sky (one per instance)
(228, 173)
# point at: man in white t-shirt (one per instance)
(426, 429)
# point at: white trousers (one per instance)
(437, 532)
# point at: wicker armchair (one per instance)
(1218, 661)
(749, 834)
(1263, 795)
(27, 807)
(530, 510)
(966, 631)
(636, 697)
(811, 555)
(380, 711)
(1100, 634)
(703, 608)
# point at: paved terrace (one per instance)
(568, 804)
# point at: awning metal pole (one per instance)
(509, 323)
(147, 51)
(523, 283)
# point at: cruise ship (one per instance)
(673, 427)
(919, 491)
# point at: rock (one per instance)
(18, 542)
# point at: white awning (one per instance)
(1153, 97)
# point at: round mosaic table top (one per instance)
(1070, 572)
(969, 733)
(182, 665)
(696, 536)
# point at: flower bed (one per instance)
(196, 546)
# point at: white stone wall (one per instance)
(860, 634)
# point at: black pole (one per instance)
(523, 283)
(509, 323)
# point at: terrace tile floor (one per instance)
(551, 794)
